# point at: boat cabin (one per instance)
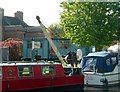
(15, 76)
(100, 62)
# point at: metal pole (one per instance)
(118, 51)
(1, 30)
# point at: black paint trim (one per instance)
(70, 88)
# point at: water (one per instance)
(90, 89)
(110, 89)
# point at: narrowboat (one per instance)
(40, 75)
(101, 69)
(36, 73)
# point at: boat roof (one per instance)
(27, 63)
(98, 54)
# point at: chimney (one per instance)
(19, 15)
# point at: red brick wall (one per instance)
(13, 34)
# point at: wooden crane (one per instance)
(47, 35)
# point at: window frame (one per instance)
(22, 71)
(39, 43)
(51, 73)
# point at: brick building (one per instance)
(15, 27)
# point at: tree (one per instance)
(91, 23)
(14, 45)
(56, 30)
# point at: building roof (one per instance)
(7, 21)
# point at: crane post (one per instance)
(47, 35)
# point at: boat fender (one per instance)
(79, 54)
(102, 80)
(106, 83)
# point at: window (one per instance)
(113, 60)
(64, 44)
(108, 62)
(35, 44)
(48, 70)
(0, 72)
(90, 64)
(25, 71)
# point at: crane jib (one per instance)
(47, 35)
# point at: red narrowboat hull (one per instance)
(55, 83)
(14, 82)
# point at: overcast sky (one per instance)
(48, 10)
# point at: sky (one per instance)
(48, 10)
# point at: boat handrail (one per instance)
(29, 62)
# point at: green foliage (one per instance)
(91, 23)
(56, 30)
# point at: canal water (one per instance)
(90, 89)
(110, 89)
(93, 89)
